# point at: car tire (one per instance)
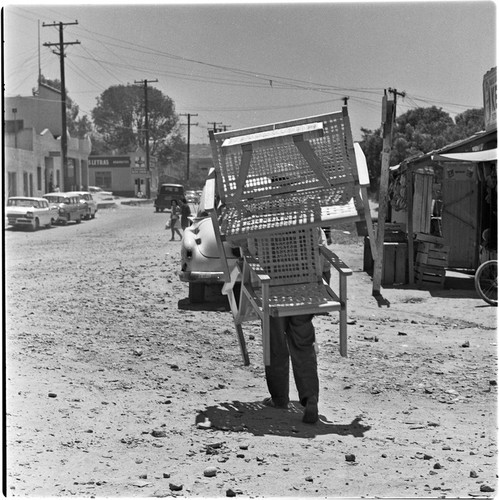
(157, 209)
(78, 220)
(196, 292)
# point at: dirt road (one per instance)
(118, 386)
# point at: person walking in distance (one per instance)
(174, 218)
(185, 211)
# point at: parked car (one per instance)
(30, 212)
(192, 196)
(167, 193)
(97, 191)
(200, 259)
(88, 203)
(69, 206)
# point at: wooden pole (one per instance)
(410, 224)
(388, 119)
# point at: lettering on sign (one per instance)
(109, 161)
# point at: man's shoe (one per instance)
(311, 413)
(270, 402)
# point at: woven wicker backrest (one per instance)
(270, 159)
(289, 257)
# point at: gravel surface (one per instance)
(117, 386)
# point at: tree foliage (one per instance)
(119, 120)
(78, 126)
(418, 131)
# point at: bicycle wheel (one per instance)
(486, 282)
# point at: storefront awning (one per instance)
(473, 156)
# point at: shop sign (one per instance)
(109, 161)
(139, 167)
(490, 99)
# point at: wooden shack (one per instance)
(447, 198)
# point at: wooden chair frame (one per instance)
(244, 194)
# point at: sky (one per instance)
(246, 64)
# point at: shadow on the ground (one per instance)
(221, 304)
(454, 287)
(260, 420)
(213, 301)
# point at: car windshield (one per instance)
(170, 189)
(55, 199)
(22, 202)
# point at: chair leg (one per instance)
(343, 333)
(242, 345)
(343, 316)
(266, 324)
(228, 290)
(266, 340)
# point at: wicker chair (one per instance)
(277, 185)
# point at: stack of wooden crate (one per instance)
(394, 269)
(432, 258)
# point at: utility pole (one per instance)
(215, 129)
(14, 111)
(389, 111)
(64, 132)
(148, 178)
(188, 142)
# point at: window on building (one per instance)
(13, 126)
(58, 178)
(103, 179)
(31, 184)
(39, 178)
(12, 183)
(25, 184)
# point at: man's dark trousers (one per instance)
(292, 336)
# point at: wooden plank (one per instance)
(429, 270)
(417, 203)
(438, 254)
(422, 273)
(396, 226)
(429, 238)
(389, 264)
(369, 223)
(388, 122)
(432, 248)
(429, 280)
(410, 227)
(243, 171)
(314, 129)
(436, 262)
(368, 257)
(400, 263)
(312, 160)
